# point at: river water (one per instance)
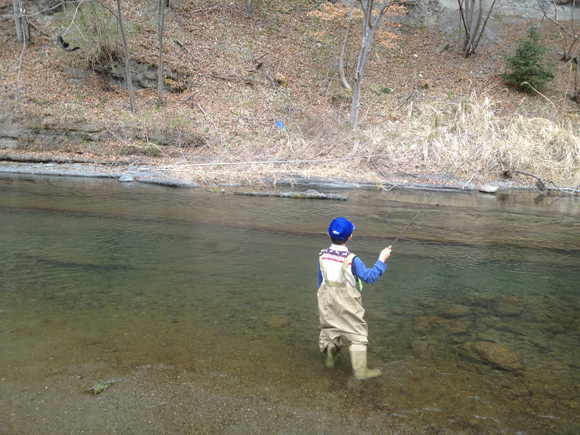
(200, 306)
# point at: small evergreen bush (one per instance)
(527, 68)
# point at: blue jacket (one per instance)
(361, 271)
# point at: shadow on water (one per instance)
(203, 306)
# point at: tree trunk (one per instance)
(18, 20)
(160, 22)
(467, 20)
(250, 7)
(127, 60)
(360, 69)
(474, 28)
(369, 28)
(342, 52)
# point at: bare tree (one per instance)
(127, 60)
(570, 40)
(343, 50)
(160, 23)
(471, 13)
(22, 29)
(370, 25)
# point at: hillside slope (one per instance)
(230, 77)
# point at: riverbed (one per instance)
(197, 309)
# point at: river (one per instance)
(198, 308)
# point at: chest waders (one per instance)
(347, 261)
(341, 315)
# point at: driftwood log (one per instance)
(309, 194)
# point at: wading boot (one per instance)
(331, 357)
(359, 366)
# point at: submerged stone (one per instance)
(438, 325)
(420, 347)
(494, 354)
(510, 305)
(456, 311)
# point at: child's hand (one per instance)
(385, 253)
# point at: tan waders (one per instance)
(341, 312)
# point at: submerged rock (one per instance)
(456, 310)
(438, 325)
(420, 347)
(496, 355)
(510, 305)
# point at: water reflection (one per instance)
(475, 324)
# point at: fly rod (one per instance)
(438, 190)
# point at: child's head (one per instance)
(340, 231)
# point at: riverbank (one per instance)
(170, 177)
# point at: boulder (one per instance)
(496, 355)
(488, 188)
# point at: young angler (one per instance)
(339, 300)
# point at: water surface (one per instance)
(207, 298)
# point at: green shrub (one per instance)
(527, 68)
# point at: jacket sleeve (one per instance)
(319, 277)
(368, 275)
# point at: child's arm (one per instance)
(371, 275)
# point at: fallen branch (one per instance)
(541, 184)
(393, 185)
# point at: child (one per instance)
(339, 300)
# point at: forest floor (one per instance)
(230, 76)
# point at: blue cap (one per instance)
(340, 228)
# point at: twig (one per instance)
(39, 30)
(178, 42)
(411, 97)
(211, 120)
(393, 185)
(73, 19)
(260, 57)
(463, 187)
(271, 79)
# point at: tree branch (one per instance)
(541, 184)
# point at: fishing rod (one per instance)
(438, 190)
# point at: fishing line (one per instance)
(438, 190)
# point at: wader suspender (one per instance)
(347, 261)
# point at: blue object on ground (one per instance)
(279, 124)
